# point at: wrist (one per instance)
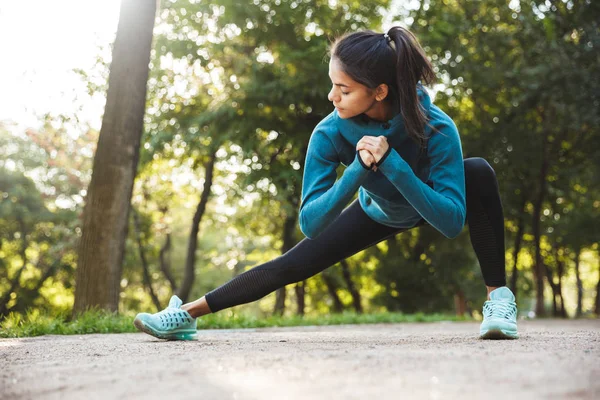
(385, 155)
(365, 166)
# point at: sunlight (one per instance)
(44, 42)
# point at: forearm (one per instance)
(318, 212)
(445, 213)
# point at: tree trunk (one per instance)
(300, 293)
(536, 228)
(517, 248)
(597, 305)
(145, 267)
(165, 265)
(560, 272)
(554, 287)
(579, 311)
(106, 212)
(190, 261)
(338, 306)
(288, 242)
(351, 287)
(460, 302)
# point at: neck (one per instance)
(380, 111)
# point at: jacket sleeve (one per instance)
(444, 205)
(324, 198)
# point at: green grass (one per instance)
(35, 324)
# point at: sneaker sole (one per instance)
(498, 334)
(181, 335)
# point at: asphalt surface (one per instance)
(552, 359)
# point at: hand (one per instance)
(376, 145)
(367, 158)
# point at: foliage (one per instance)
(249, 79)
(94, 321)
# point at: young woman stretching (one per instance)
(403, 155)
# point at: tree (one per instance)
(106, 212)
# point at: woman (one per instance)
(403, 155)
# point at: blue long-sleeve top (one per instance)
(406, 187)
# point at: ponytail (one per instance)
(412, 66)
(396, 59)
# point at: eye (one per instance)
(345, 93)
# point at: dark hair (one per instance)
(397, 60)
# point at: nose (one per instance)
(331, 96)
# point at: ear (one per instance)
(381, 92)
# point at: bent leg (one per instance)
(486, 220)
(352, 232)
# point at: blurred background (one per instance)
(234, 89)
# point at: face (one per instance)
(349, 97)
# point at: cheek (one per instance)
(358, 100)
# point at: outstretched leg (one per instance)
(352, 232)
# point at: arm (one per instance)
(324, 198)
(444, 206)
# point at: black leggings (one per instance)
(353, 231)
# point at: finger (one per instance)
(369, 139)
(375, 139)
(366, 146)
(366, 152)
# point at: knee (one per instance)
(478, 170)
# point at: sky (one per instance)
(41, 42)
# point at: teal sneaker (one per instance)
(172, 323)
(499, 315)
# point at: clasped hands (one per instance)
(371, 149)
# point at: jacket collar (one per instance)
(367, 126)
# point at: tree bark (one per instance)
(517, 249)
(554, 287)
(190, 262)
(338, 306)
(597, 305)
(539, 270)
(144, 261)
(579, 310)
(165, 265)
(560, 267)
(460, 302)
(289, 227)
(558, 308)
(351, 287)
(300, 293)
(106, 212)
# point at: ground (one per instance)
(552, 359)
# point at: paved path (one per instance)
(553, 359)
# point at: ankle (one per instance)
(490, 289)
(197, 308)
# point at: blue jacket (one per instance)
(405, 187)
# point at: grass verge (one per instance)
(36, 324)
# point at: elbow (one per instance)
(309, 230)
(308, 233)
(457, 227)
(453, 233)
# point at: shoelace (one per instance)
(172, 318)
(499, 309)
